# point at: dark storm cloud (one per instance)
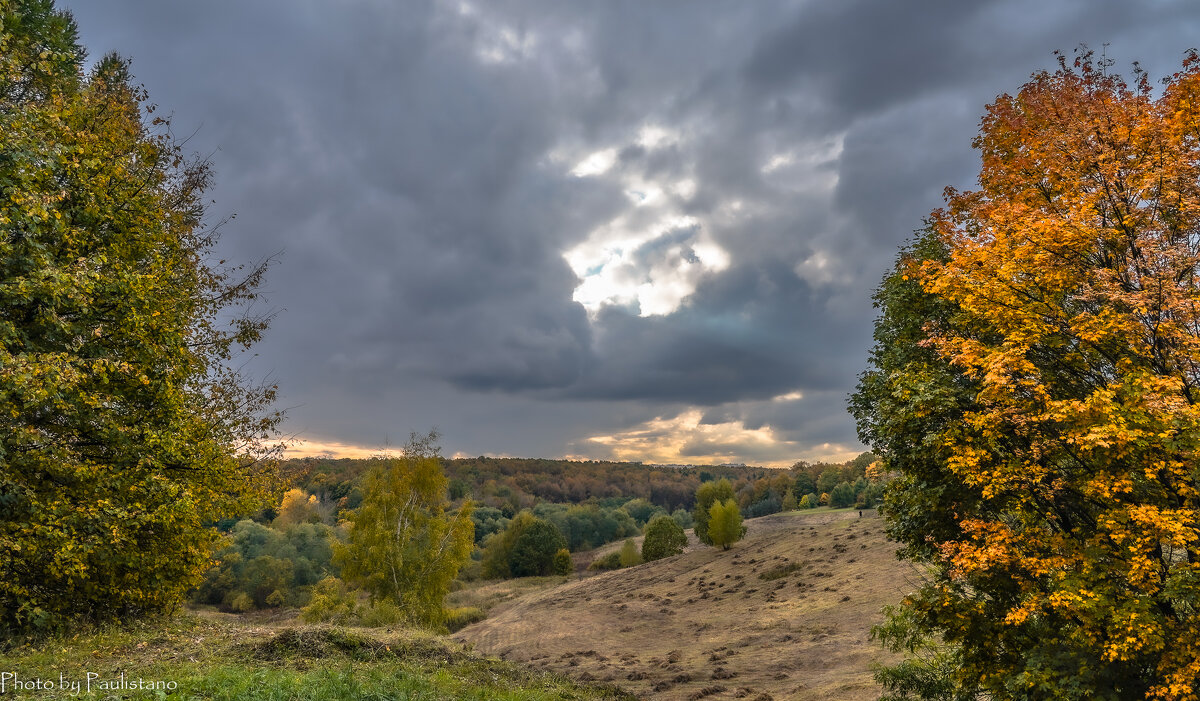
(413, 162)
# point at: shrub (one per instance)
(241, 603)
(611, 561)
(382, 612)
(562, 562)
(332, 602)
(629, 555)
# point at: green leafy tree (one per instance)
(830, 477)
(641, 510)
(403, 545)
(805, 484)
(533, 552)
(123, 430)
(789, 501)
(725, 524)
(664, 537)
(497, 548)
(707, 494)
(842, 495)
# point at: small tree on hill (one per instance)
(562, 562)
(789, 501)
(629, 554)
(403, 546)
(664, 537)
(708, 494)
(725, 524)
(499, 546)
(533, 552)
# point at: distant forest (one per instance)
(513, 484)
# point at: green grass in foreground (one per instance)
(193, 658)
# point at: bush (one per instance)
(383, 612)
(562, 562)
(664, 538)
(629, 555)
(332, 602)
(241, 603)
(459, 618)
(611, 561)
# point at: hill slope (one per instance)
(247, 658)
(784, 613)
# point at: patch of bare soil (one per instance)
(785, 613)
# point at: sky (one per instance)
(602, 230)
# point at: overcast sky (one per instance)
(636, 230)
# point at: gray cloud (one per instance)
(413, 162)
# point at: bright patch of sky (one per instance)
(789, 397)
(615, 269)
(332, 449)
(597, 163)
(651, 256)
(685, 439)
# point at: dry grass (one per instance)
(786, 613)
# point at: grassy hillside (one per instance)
(217, 656)
(786, 613)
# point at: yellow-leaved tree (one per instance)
(123, 432)
(1035, 386)
(404, 548)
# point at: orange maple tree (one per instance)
(1066, 563)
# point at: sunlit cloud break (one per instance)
(686, 439)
